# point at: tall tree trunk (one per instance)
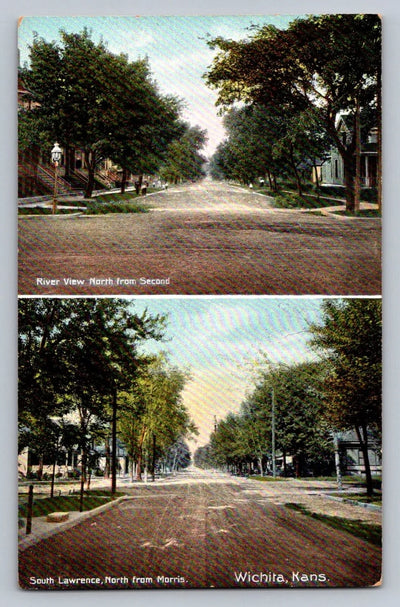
(124, 180)
(90, 162)
(153, 459)
(53, 475)
(379, 142)
(348, 163)
(295, 171)
(107, 456)
(114, 443)
(140, 456)
(83, 475)
(139, 466)
(363, 440)
(40, 468)
(357, 160)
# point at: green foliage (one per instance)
(89, 98)
(96, 208)
(316, 69)
(153, 416)
(243, 441)
(70, 503)
(350, 337)
(366, 531)
(73, 355)
(183, 161)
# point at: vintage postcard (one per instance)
(200, 155)
(168, 437)
(199, 443)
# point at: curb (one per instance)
(51, 217)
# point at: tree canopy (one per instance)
(325, 64)
(102, 103)
(350, 337)
(77, 360)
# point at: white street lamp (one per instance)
(56, 154)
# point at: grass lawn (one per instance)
(361, 497)
(268, 479)
(95, 206)
(291, 200)
(99, 207)
(367, 531)
(68, 503)
(361, 213)
(46, 210)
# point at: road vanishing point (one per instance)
(204, 238)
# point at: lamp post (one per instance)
(56, 153)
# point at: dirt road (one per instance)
(206, 238)
(202, 530)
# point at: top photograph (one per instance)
(226, 155)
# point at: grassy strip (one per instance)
(360, 213)
(44, 211)
(118, 197)
(93, 207)
(68, 503)
(268, 479)
(291, 200)
(350, 480)
(97, 207)
(361, 497)
(366, 531)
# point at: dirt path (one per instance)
(201, 532)
(202, 239)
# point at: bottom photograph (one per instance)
(199, 442)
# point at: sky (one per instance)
(176, 48)
(218, 339)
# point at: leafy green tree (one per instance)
(141, 122)
(350, 338)
(100, 102)
(326, 64)
(183, 159)
(74, 357)
(288, 399)
(153, 416)
(301, 430)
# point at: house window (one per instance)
(336, 169)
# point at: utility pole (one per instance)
(273, 432)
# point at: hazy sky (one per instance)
(217, 338)
(175, 46)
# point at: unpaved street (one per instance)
(200, 530)
(206, 238)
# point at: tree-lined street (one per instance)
(209, 238)
(202, 529)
